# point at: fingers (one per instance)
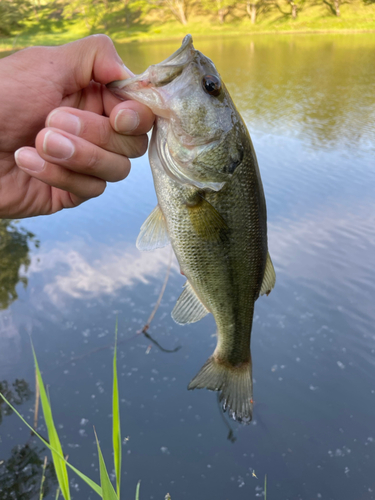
(83, 187)
(79, 151)
(92, 58)
(81, 156)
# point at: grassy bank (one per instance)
(355, 17)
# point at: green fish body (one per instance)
(211, 207)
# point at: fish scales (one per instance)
(227, 294)
(211, 207)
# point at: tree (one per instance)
(14, 253)
(20, 475)
(251, 9)
(178, 9)
(294, 8)
(221, 8)
(17, 394)
(12, 15)
(335, 8)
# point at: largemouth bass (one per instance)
(211, 207)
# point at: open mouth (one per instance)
(159, 74)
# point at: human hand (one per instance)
(62, 133)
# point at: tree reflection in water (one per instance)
(14, 254)
(21, 474)
(16, 394)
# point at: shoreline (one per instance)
(12, 47)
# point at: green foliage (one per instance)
(12, 14)
(116, 429)
(137, 490)
(106, 490)
(14, 254)
(57, 453)
(32, 21)
(265, 487)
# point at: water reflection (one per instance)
(15, 242)
(162, 349)
(231, 436)
(16, 393)
(311, 113)
(70, 273)
(21, 473)
(318, 87)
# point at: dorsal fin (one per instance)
(153, 233)
(188, 308)
(269, 278)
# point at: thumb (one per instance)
(92, 58)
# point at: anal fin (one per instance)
(188, 308)
(269, 278)
(153, 233)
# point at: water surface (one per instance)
(309, 103)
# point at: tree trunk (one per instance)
(181, 12)
(251, 9)
(337, 7)
(253, 13)
(177, 8)
(222, 13)
(294, 8)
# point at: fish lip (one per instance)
(186, 47)
(186, 42)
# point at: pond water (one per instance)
(309, 102)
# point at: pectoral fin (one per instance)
(206, 220)
(188, 308)
(269, 278)
(153, 233)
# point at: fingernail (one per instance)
(29, 159)
(57, 145)
(129, 73)
(65, 121)
(126, 121)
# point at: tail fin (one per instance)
(235, 384)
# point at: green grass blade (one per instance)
(265, 487)
(57, 493)
(87, 480)
(137, 490)
(116, 429)
(43, 479)
(108, 491)
(59, 463)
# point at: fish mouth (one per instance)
(186, 46)
(157, 75)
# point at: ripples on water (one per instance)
(309, 104)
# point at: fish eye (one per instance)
(211, 85)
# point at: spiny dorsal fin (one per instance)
(269, 278)
(188, 308)
(153, 233)
(206, 220)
